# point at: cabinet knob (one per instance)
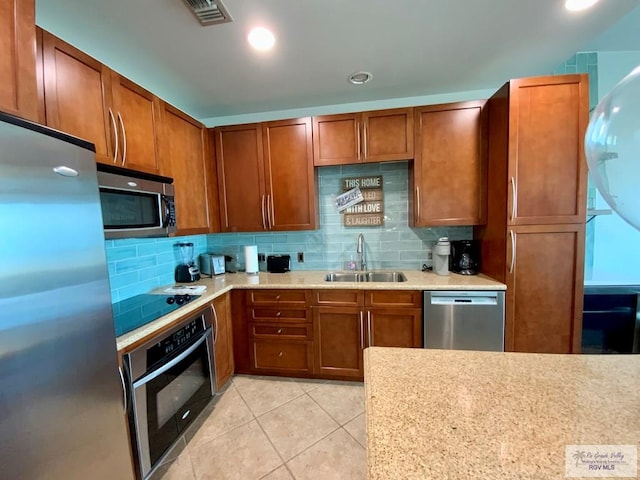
(278, 314)
(280, 354)
(279, 330)
(277, 297)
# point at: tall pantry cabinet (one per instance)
(534, 237)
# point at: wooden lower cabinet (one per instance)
(379, 318)
(279, 332)
(320, 333)
(283, 356)
(223, 340)
(387, 327)
(339, 341)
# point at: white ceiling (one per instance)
(412, 47)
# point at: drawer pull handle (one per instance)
(279, 331)
(280, 354)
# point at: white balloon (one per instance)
(612, 147)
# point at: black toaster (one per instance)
(278, 263)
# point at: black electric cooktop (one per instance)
(136, 311)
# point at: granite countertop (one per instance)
(436, 414)
(303, 279)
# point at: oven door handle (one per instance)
(150, 376)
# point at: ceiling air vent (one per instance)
(209, 12)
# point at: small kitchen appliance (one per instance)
(212, 264)
(441, 256)
(187, 271)
(278, 263)
(465, 257)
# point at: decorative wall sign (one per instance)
(368, 212)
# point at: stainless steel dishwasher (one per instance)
(464, 320)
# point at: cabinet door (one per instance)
(449, 171)
(336, 139)
(387, 135)
(184, 159)
(547, 168)
(223, 346)
(544, 289)
(137, 114)
(400, 327)
(241, 178)
(78, 96)
(290, 178)
(339, 341)
(18, 94)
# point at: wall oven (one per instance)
(135, 204)
(171, 380)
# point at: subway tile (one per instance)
(592, 58)
(135, 264)
(121, 253)
(572, 60)
(121, 280)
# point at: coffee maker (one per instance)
(465, 257)
(187, 271)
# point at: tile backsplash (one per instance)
(394, 245)
(138, 265)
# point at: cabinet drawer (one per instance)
(275, 314)
(283, 356)
(260, 297)
(393, 298)
(284, 331)
(346, 298)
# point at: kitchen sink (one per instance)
(365, 277)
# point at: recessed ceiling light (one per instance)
(577, 5)
(360, 78)
(261, 38)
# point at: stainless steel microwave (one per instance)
(136, 204)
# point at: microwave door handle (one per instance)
(167, 211)
(150, 376)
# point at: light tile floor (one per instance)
(275, 428)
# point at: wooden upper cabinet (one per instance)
(137, 116)
(449, 178)
(78, 95)
(376, 136)
(18, 92)
(544, 301)
(86, 99)
(266, 179)
(547, 170)
(184, 147)
(387, 135)
(336, 139)
(241, 187)
(289, 175)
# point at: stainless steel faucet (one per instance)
(360, 251)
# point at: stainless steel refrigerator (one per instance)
(61, 398)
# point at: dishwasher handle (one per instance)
(463, 298)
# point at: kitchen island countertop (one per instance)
(435, 414)
(221, 284)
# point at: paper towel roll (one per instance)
(251, 259)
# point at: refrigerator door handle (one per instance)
(125, 402)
